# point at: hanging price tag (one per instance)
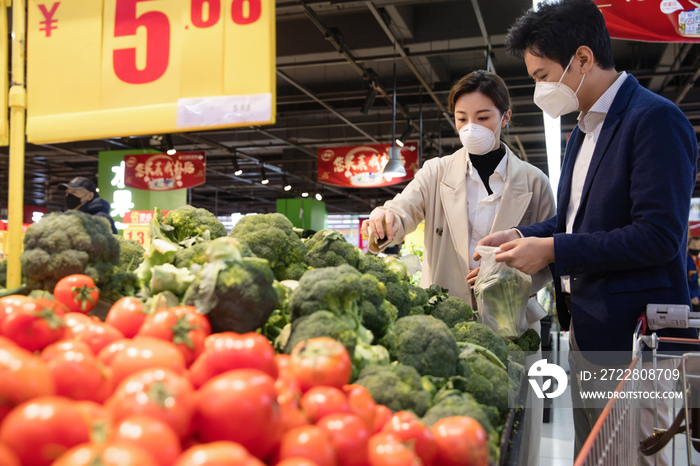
(109, 68)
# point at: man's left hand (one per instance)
(529, 255)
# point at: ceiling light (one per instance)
(394, 168)
(369, 100)
(304, 194)
(263, 177)
(287, 186)
(236, 168)
(319, 197)
(405, 135)
(168, 141)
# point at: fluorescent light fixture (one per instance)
(319, 197)
(304, 194)
(552, 134)
(394, 168)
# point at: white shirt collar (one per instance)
(500, 168)
(589, 121)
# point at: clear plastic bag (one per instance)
(502, 294)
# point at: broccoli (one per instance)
(120, 284)
(272, 237)
(130, 254)
(62, 244)
(167, 277)
(378, 314)
(397, 266)
(436, 294)
(419, 300)
(528, 341)
(452, 311)
(369, 355)
(321, 324)
(479, 334)
(236, 293)
(328, 248)
(187, 222)
(395, 386)
(3, 273)
(397, 288)
(425, 343)
(486, 381)
(195, 254)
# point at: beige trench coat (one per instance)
(438, 194)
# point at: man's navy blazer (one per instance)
(628, 245)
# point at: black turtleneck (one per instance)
(486, 164)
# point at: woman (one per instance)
(480, 189)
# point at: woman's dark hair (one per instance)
(489, 84)
(556, 30)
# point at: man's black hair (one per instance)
(556, 30)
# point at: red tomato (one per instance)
(288, 391)
(309, 442)
(77, 292)
(461, 441)
(408, 428)
(350, 438)
(62, 346)
(322, 401)
(139, 354)
(291, 416)
(296, 461)
(160, 393)
(8, 457)
(202, 320)
(96, 416)
(228, 351)
(151, 435)
(80, 376)
(91, 454)
(321, 361)
(22, 377)
(382, 415)
(33, 326)
(74, 318)
(182, 329)
(95, 334)
(240, 406)
(387, 449)
(10, 304)
(55, 306)
(362, 404)
(217, 454)
(127, 316)
(42, 429)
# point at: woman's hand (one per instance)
(375, 224)
(471, 277)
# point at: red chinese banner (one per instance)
(143, 217)
(362, 166)
(163, 172)
(652, 21)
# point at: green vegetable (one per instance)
(272, 237)
(397, 387)
(452, 311)
(398, 267)
(322, 324)
(369, 355)
(3, 272)
(130, 254)
(528, 341)
(501, 293)
(486, 378)
(328, 248)
(195, 254)
(187, 222)
(120, 284)
(236, 293)
(397, 287)
(425, 343)
(436, 294)
(61, 244)
(419, 300)
(167, 277)
(377, 313)
(479, 334)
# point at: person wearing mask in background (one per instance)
(693, 283)
(618, 240)
(482, 188)
(81, 195)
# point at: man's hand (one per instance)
(695, 301)
(471, 276)
(375, 224)
(496, 239)
(529, 255)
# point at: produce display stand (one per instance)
(511, 447)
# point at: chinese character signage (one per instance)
(652, 21)
(163, 172)
(362, 166)
(107, 68)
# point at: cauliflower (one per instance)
(272, 237)
(66, 243)
(188, 222)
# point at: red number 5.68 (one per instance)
(158, 34)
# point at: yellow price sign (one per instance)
(139, 233)
(109, 68)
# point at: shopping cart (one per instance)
(614, 439)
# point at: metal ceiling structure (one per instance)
(330, 55)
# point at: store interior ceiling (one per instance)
(331, 57)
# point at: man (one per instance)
(618, 240)
(693, 283)
(81, 195)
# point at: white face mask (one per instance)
(477, 139)
(556, 99)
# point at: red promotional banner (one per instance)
(361, 166)
(163, 172)
(652, 21)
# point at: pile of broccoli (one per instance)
(190, 222)
(65, 243)
(396, 386)
(408, 299)
(328, 248)
(272, 237)
(452, 311)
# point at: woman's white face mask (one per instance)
(556, 99)
(479, 140)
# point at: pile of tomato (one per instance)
(161, 390)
